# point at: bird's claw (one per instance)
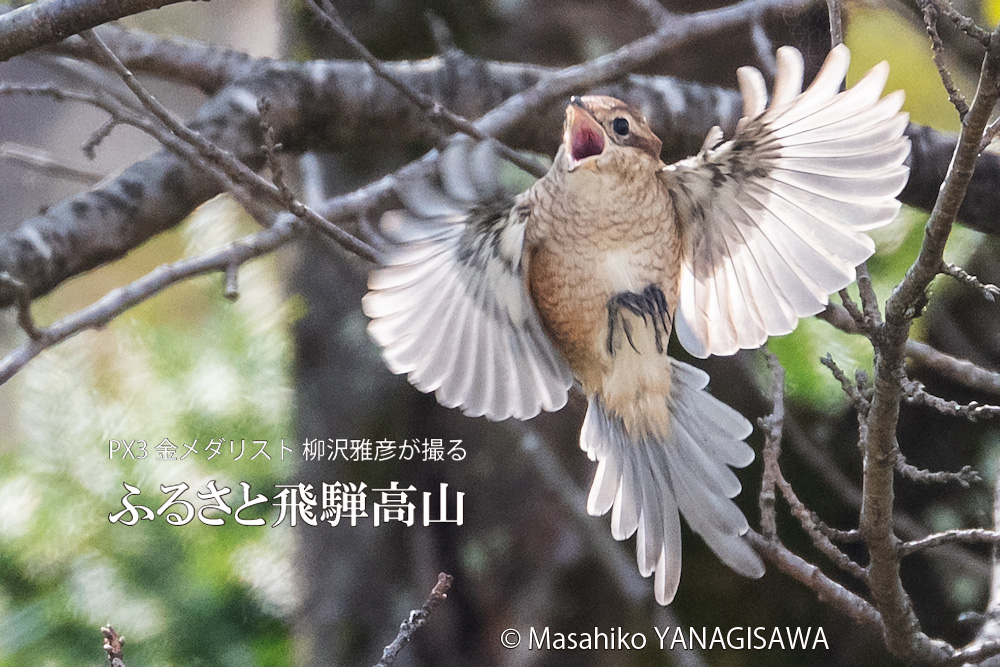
(651, 302)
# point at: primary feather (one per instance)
(773, 221)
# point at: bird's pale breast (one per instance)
(591, 236)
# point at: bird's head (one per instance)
(601, 130)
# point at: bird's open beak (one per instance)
(583, 136)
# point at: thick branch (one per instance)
(208, 67)
(118, 301)
(339, 105)
(48, 21)
(311, 103)
(903, 632)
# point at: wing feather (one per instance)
(449, 306)
(772, 222)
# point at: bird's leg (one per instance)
(650, 302)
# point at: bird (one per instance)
(500, 304)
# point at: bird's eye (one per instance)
(620, 126)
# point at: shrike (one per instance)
(498, 303)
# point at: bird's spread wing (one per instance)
(773, 221)
(449, 306)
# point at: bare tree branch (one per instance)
(48, 21)
(208, 67)
(232, 169)
(38, 160)
(416, 620)
(116, 302)
(314, 109)
(963, 477)
(836, 22)
(989, 633)
(930, 14)
(434, 109)
(309, 103)
(772, 426)
(918, 395)
(826, 589)
(113, 646)
(962, 22)
(924, 357)
(903, 634)
(850, 388)
(989, 292)
(966, 536)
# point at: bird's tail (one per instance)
(645, 481)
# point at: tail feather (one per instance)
(648, 482)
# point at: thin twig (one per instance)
(825, 468)
(232, 282)
(869, 300)
(223, 160)
(846, 536)
(40, 161)
(964, 477)
(963, 22)
(917, 394)
(930, 15)
(24, 318)
(815, 530)
(989, 632)
(89, 147)
(98, 100)
(772, 478)
(842, 318)
(850, 388)
(416, 620)
(772, 426)
(961, 371)
(989, 134)
(285, 229)
(271, 148)
(836, 22)
(114, 646)
(826, 589)
(436, 111)
(963, 536)
(989, 292)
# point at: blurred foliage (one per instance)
(991, 12)
(911, 69)
(187, 365)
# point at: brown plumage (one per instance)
(599, 226)
(498, 304)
